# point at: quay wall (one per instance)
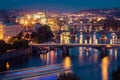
(15, 53)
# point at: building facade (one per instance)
(9, 30)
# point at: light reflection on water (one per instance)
(116, 53)
(48, 58)
(104, 67)
(111, 52)
(88, 64)
(43, 58)
(7, 65)
(95, 57)
(67, 62)
(84, 62)
(80, 54)
(52, 57)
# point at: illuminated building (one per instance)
(31, 19)
(52, 22)
(9, 30)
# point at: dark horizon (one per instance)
(59, 6)
(58, 11)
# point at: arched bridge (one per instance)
(75, 45)
(65, 47)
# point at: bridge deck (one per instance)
(74, 45)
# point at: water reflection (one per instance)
(104, 68)
(111, 52)
(52, 57)
(44, 58)
(88, 54)
(116, 53)
(67, 62)
(80, 54)
(7, 66)
(48, 58)
(95, 57)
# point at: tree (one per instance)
(20, 44)
(19, 36)
(15, 38)
(27, 36)
(3, 46)
(43, 34)
(67, 76)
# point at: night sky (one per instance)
(58, 5)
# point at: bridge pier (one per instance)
(65, 51)
(103, 51)
(34, 50)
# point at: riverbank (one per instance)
(15, 53)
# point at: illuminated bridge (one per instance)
(78, 31)
(75, 45)
(65, 47)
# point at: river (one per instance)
(88, 65)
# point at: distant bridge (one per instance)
(86, 24)
(77, 31)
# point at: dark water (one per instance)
(87, 65)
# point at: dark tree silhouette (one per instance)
(43, 34)
(20, 44)
(4, 46)
(67, 76)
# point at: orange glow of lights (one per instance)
(26, 22)
(28, 16)
(7, 65)
(22, 21)
(52, 56)
(67, 62)
(104, 68)
(33, 22)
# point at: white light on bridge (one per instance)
(111, 41)
(85, 41)
(90, 41)
(81, 39)
(96, 41)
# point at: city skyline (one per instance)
(59, 6)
